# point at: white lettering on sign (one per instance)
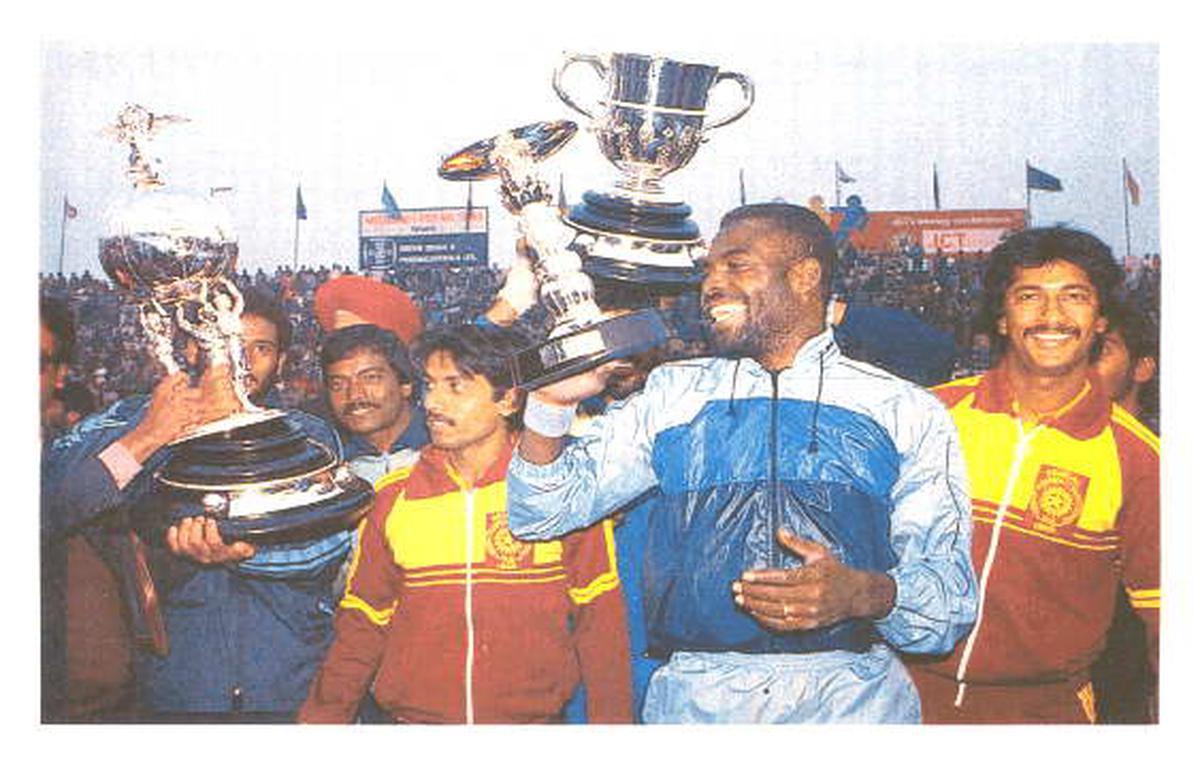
(961, 240)
(441, 220)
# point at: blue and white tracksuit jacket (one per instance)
(835, 450)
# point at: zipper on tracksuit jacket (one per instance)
(777, 555)
(469, 669)
(1014, 472)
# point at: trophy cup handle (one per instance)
(573, 58)
(747, 93)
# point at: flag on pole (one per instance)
(70, 212)
(937, 192)
(389, 202)
(842, 175)
(562, 196)
(1131, 185)
(470, 202)
(1041, 180)
(301, 210)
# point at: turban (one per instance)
(372, 302)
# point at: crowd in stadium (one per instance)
(111, 360)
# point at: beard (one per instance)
(769, 321)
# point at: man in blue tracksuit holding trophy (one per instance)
(813, 517)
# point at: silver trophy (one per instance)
(581, 337)
(649, 123)
(254, 470)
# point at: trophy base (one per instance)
(266, 481)
(622, 215)
(588, 347)
(231, 422)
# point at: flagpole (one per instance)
(742, 184)
(937, 192)
(470, 188)
(1125, 197)
(837, 186)
(1028, 213)
(296, 247)
(62, 236)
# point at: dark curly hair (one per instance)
(260, 303)
(810, 236)
(56, 317)
(1033, 248)
(477, 350)
(343, 342)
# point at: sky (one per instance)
(341, 119)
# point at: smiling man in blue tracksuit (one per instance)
(813, 513)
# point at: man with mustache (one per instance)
(446, 617)
(1065, 496)
(369, 381)
(812, 515)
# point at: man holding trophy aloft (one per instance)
(811, 514)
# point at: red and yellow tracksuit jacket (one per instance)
(1065, 511)
(450, 619)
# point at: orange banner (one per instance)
(945, 232)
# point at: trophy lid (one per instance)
(475, 161)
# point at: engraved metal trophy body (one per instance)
(255, 471)
(581, 337)
(650, 122)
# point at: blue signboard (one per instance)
(429, 238)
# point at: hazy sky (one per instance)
(340, 118)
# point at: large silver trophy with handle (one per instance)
(581, 337)
(649, 122)
(256, 471)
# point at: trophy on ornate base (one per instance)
(255, 471)
(581, 337)
(649, 124)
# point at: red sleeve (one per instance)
(1139, 527)
(360, 625)
(601, 636)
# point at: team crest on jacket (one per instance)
(1058, 496)
(503, 549)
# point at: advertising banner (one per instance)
(427, 237)
(944, 232)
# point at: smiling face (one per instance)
(463, 411)
(367, 397)
(761, 300)
(1051, 319)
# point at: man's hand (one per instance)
(177, 407)
(542, 449)
(573, 390)
(520, 290)
(820, 593)
(198, 538)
